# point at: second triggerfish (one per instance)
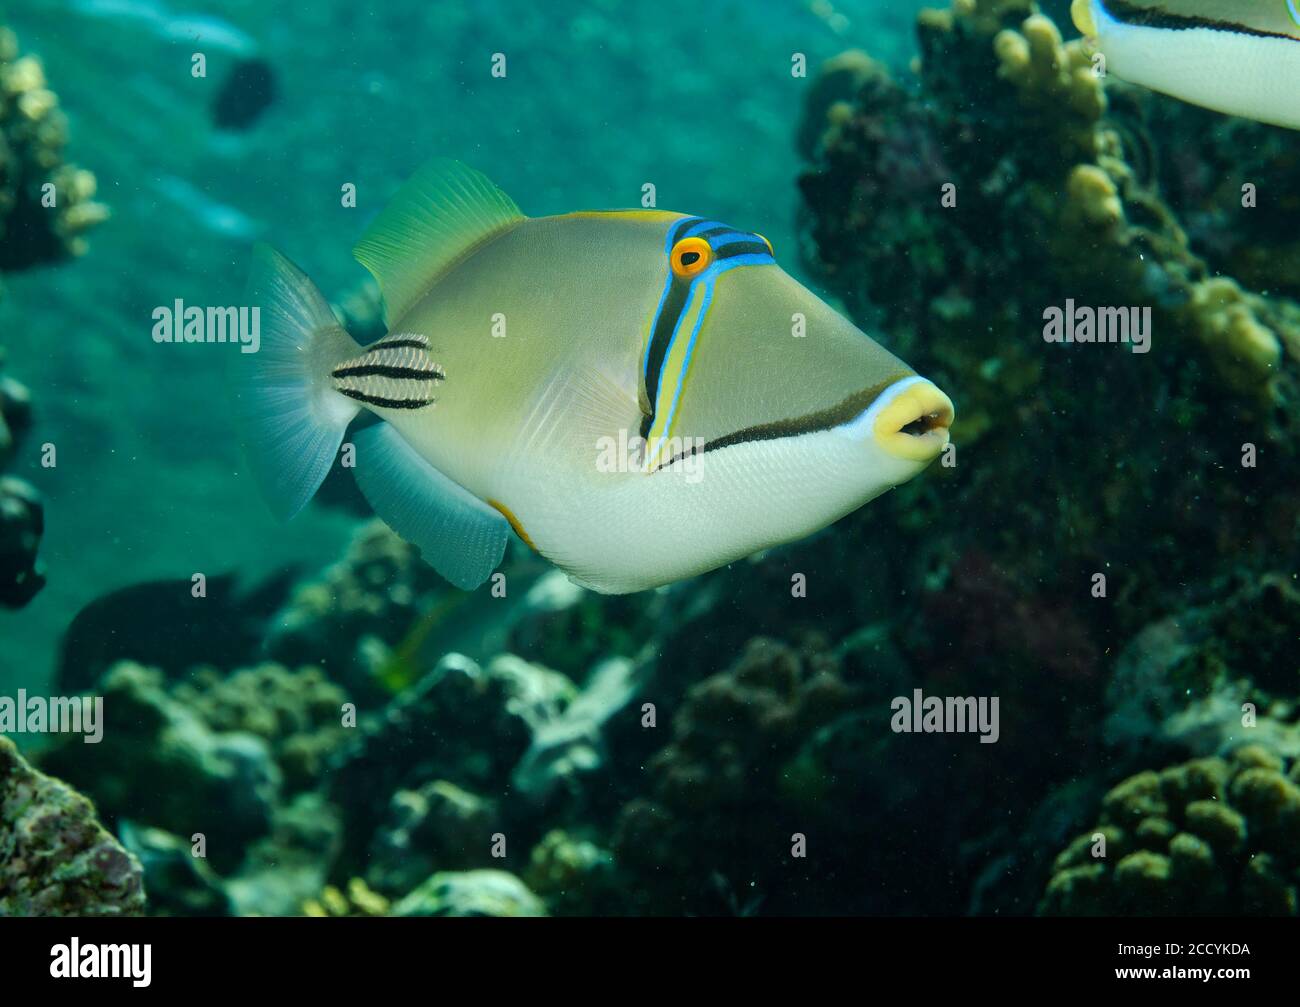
(641, 396)
(1236, 56)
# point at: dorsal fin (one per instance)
(437, 218)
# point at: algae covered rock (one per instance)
(298, 712)
(575, 876)
(179, 883)
(346, 620)
(721, 778)
(22, 521)
(1210, 836)
(55, 857)
(1213, 677)
(224, 785)
(438, 826)
(471, 893)
(463, 722)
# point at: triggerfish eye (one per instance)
(691, 256)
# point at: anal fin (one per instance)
(457, 534)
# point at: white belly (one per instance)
(1247, 75)
(631, 531)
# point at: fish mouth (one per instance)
(912, 420)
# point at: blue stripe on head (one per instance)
(752, 259)
(699, 227)
(690, 350)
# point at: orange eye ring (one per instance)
(690, 257)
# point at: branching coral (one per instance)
(46, 206)
(1015, 181)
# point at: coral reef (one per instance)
(38, 224)
(22, 517)
(575, 876)
(356, 900)
(55, 857)
(1051, 203)
(439, 826)
(178, 882)
(1211, 836)
(297, 713)
(224, 785)
(22, 520)
(346, 621)
(1099, 489)
(1212, 677)
(462, 723)
(46, 207)
(720, 780)
(471, 893)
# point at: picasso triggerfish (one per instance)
(641, 396)
(1241, 57)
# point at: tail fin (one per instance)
(293, 420)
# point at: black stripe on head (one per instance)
(383, 403)
(674, 305)
(388, 371)
(742, 248)
(852, 407)
(681, 227)
(1156, 17)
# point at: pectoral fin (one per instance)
(457, 533)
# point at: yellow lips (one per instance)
(914, 424)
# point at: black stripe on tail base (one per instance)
(384, 403)
(390, 371)
(397, 372)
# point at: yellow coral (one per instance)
(1092, 197)
(1046, 71)
(37, 103)
(22, 75)
(1245, 351)
(360, 900)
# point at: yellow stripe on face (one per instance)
(674, 376)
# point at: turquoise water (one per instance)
(1100, 568)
